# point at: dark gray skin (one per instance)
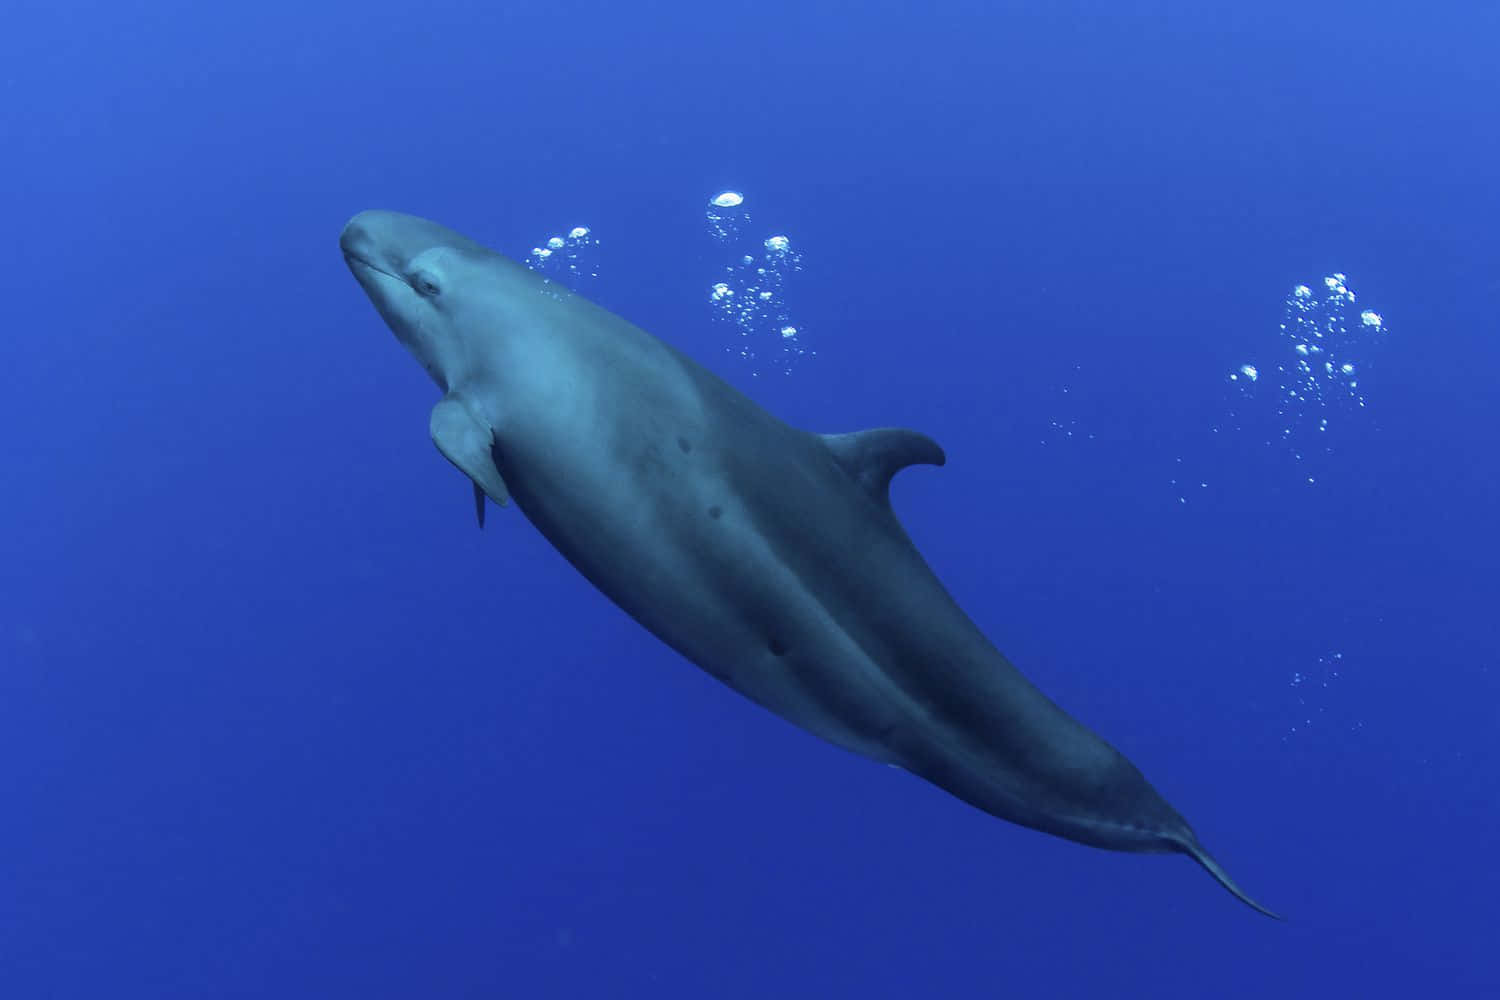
(767, 555)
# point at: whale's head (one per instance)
(438, 290)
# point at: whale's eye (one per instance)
(425, 284)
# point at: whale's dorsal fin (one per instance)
(872, 457)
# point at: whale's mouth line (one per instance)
(355, 261)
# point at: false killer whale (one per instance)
(767, 555)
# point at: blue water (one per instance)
(276, 720)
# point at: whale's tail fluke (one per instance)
(1189, 845)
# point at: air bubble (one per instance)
(572, 260)
(1307, 391)
(751, 297)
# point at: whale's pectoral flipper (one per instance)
(466, 443)
(872, 457)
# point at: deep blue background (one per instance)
(276, 720)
